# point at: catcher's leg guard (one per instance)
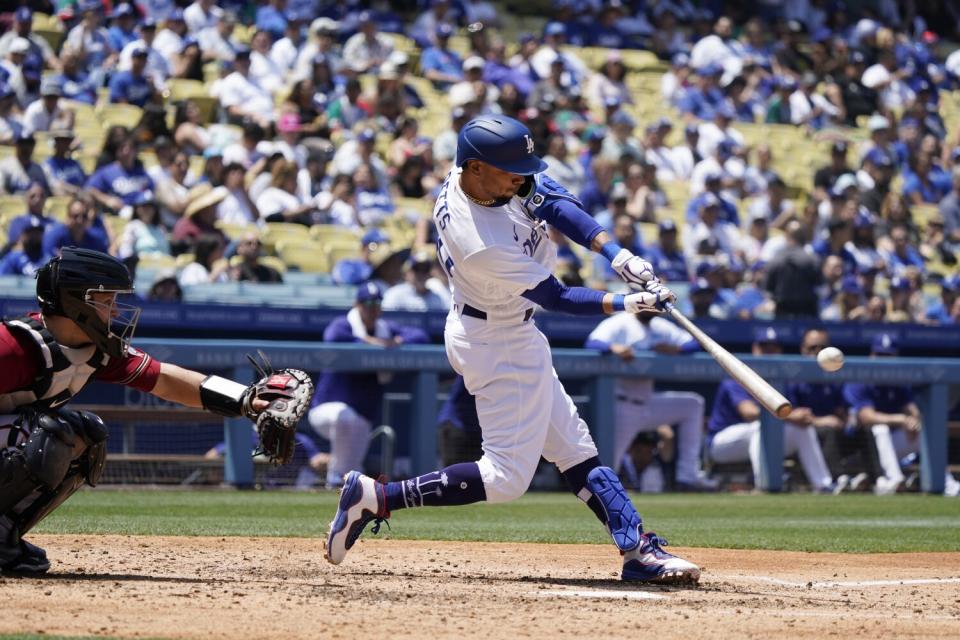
(623, 521)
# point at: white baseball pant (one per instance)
(349, 436)
(741, 442)
(894, 444)
(523, 409)
(684, 409)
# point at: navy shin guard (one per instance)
(622, 520)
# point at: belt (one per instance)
(473, 312)
(631, 400)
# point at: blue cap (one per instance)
(765, 335)
(863, 219)
(713, 176)
(176, 15)
(680, 60)
(148, 23)
(374, 236)
(663, 123)
(213, 152)
(884, 344)
(711, 69)
(364, 16)
(139, 51)
(622, 118)
(444, 30)
(899, 283)
(726, 110)
(692, 128)
(850, 284)
(596, 133)
(786, 82)
(32, 68)
(709, 200)
(241, 51)
(23, 14)
(667, 226)
(950, 283)
(555, 29)
(612, 101)
(122, 10)
(821, 35)
(369, 291)
(189, 41)
(879, 158)
(367, 135)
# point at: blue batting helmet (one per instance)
(502, 142)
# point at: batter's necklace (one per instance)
(482, 203)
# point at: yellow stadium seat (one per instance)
(11, 206)
(234, 231)
(158, 261)
(127, 115)
(183, 260)
(336, 254)
(307, 256)
(115, 224)
(330, 232)
(276, 232)
(56, 206)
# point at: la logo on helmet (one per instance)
(529, 143)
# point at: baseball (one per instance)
(830, 359)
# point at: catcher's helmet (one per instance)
(64, 288)
(499, 141)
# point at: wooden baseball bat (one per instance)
(771, 399)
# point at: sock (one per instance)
(454, 485)
(576, 478)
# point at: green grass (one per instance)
(849, 523)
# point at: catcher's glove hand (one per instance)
(288, 393)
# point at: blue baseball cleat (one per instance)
(362, 500)
(650, 563)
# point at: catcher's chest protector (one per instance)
(64, 371)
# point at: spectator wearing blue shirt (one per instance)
(79, 231)
(271, 18)
(65, 176)
(133, 87)
(77, 83)
(840, 232)
(626, 234)
(30, 256)
(347, 405)
(116, 185)
(702, 100)
(668, 261)
(713, 185)
(438, 63)
(903, 255)
(357, 270)
(894, 419)
(605, 31)
(123, 31)
(35, 199)
(734, 426)
(925, 182)
(939, 312)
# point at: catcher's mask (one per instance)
(69, 285)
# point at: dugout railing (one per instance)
(424, 365)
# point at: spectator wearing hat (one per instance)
(793, 275)
(863, 245)
(123, 30)
(243, 97)
(666, 257)
(39, 48)
(677, 80)
(366, 50)
(347, 405)
(18, 171)
(424, 27)
(170, 40)
(271, 18)
(701, 100)
(133, 86)
(939, 311)
(874, 179)
(216, 40)
(924, 182)
(77, 231)
(114, 186)
(709, 226)
(439, 63)
(415, 293)
(848, 304)
(357, 270)
(712, 183)
(46, 113)
(734, 426)
(202, 14)
(349, 109)
(28, 255)
(774, 205)
(658, 153)
(839, 234)
(826, 176)
(891, 415)
(89, 39)
(882, 139)
(554, 37)
(34, 199)
(685, 156)
(719, 130)
(905, 304)
(144, 234)
(65, 176)
(199, 218)
(322, 43)
(12, 70)
(858, 99)
(756, 236)
(902, 255)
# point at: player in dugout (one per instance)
(82, 333)
(491, 216)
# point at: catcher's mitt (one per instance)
(289, 392)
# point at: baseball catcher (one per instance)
(83, 333)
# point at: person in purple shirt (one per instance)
(840, 232)
(123, 31)
(703, 99)
(892, 416)
(133, 86)
(903, 255)
(347, 405)
(734, 426)
(79, 231)
(439, 63)
(713, 183)
(939, 312)
(30, 256)
(116, 185)
(271, 18)
(666, 257)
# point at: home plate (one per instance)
(596, 593)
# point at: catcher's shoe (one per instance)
(362, 499)
(30, 560)
(650, 563)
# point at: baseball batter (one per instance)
(491, 217)
(639, 409)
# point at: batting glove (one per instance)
(634, 271)
(660, 290)
(641, 301)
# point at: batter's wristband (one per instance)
(610, 250)
(618, 302)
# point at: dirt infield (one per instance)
(275, 588)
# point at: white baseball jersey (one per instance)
(625, 328)
(491, 254)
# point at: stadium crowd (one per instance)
(795, 162)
